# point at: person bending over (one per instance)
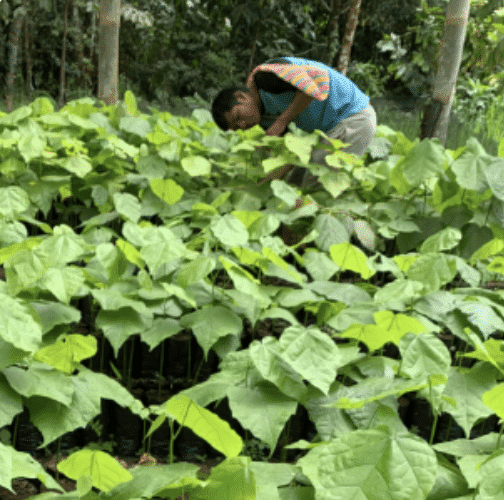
(308, 93)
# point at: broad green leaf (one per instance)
(492, 479)
(12, 403)
(389, 327)
(55, 313)
(380, 388)
(434, 270)
(450, 482)
(112, 299)
(195, 271)
(263, 410)
(135, 125)
(301, 146)
(264, 226)
(229, 230)
(399, 293)
(296, 493)
(489, 249)
(130, 252)
(130, 102)
(268, 360)
(10, 355)
(482, 316)
(152, 167)
(319, 265)
(161, 329)
(180, 293)
(39, 381)
(483, 445)
(247, 217)
(269, 476)
(278, 261)
(78, 165)
(166, 189)
(64, 246)
(491, 351)
(312, 354)
(14, 464)
(424, 355)
(369, 464)
(494, 399)
(284, 192)
(494, 171)
(470, 465)
(53, 420)
(63, 283)
(467, 389)
(330, 232)
(339, 292)
(275, 162)
(232, 479)
(68, 351)
(148, 482)
(212, 323)
(18, 326)
(119, 324)
(424, 161)
(105, 471)
(112, 259)
(13, 201)
(205, 424)
(248, 258)
(128, 206)
(469, 168)
(30, 146)
(196, 165)
(446, 239)
(348, 257)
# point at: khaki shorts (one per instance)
(357, 131)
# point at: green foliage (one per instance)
(169, 231)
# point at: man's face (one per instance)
(243, 115)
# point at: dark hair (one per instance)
(224, 102)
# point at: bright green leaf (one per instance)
(105, 471)
(205, 424)
(196, 165)
(348, 257)
(167, 189)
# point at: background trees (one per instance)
(175, 48)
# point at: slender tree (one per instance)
(437, 116)
(14, 45)
(108, 55)
(27, 51)
(62, 86)
(332, 30)
(348, 38)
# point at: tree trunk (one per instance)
(14, 41)
(457, 15)
(332, 31)
(61, 98)
(254, 41)
(79, 47)
(27, 50)
(346, 45)
(108, 55)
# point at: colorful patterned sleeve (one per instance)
(311, 80)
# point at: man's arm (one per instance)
(300, 102)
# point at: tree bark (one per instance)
(108, 55)
(62, 85)
(256, 36)
(332, 31)
(79, 46)
(27, 52)
(14, 43)
(457, 15)
(346, 45)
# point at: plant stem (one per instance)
(130, 362)
(172, 440)
(500, 436)
(161, 362)
(102, 353)
(189, 352)
(447, 435)
(287, 438)
(15, 430)
(435, 413)
(58, 455)
(200, 365)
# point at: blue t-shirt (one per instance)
(345, 99)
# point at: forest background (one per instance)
(171, 50)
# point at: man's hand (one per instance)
(278, 173)
(277, 128)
